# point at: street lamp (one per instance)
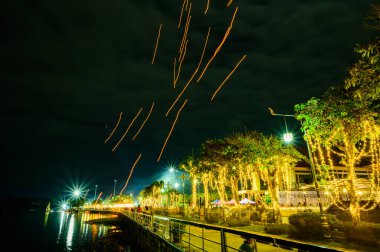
(114, 187)
(288, 138)
(76, 193)
(176, 185)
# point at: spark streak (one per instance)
(117, 125)
(229, 3)
(208, 3)
(125, 133)
(183, 46)
(174, 76)
(171, 130)
(130, 174)
(158, 38)
(228, 76)
(220, 45)
(184, 36)
(180, 17)
(146, 119)
(191, 78)
(180, 64)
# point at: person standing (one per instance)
(246, 246)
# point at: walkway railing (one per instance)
(195, 236)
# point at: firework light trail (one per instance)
(228, 76)
(158, 38)
(184, 36)
(208, 3)
(180, 17)
(220, 45)
(130, 174)
(229, 3)
(125, 133)
(117, 125)
(191, 78)
(171, 130)
(180, 64)
(146, 119)
(182, 48)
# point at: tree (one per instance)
(344, 125)
(189, 165)
(273, 161)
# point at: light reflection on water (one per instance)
(78, 232)
(26, 230)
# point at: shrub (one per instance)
(238, 216)
(277, 228)
(362, 234)
(307, 225)
(333, 222)
(213, 216)
(238, 222)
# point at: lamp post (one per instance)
(183, 176)
(176, 185)
(114, 187)
(96, 187)
(172, 170)
(288, 138)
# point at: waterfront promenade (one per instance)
(189, 235)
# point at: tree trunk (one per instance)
(194, 193)
(273, 189)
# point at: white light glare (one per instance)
(288, 137)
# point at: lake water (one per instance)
(24, 230)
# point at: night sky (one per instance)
(68, 68)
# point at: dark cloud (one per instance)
(69, 68)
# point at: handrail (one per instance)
(172, 229)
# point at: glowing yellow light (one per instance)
(171, 130)
(130, 174)
(229, 3)
(117, 124)
(125, 133)
(155, 48)
(146, 119)
(228, 76)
